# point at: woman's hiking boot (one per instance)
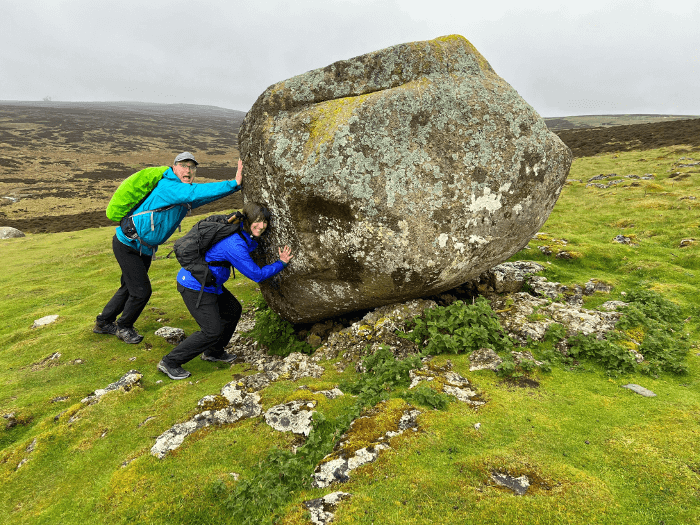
(106, 328)
(223, 357)
(173, 372)
(129, 335)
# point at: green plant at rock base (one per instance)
(460, 328)
(427, 397)
(276, 333)
(383, 374)
(659, 324)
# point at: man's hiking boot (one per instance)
(173, 372)
(129, 335)
(107, 328)
(225, 357)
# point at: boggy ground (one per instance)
(61, 162)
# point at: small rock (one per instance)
(519, 485)
(484, 359)
(321, 509)
(293, 417)
(7, 232)
(174, 336)
(640, 390)
(48, 319)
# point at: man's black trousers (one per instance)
(135, 289)
(217, 317)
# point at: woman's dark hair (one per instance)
(254, 212)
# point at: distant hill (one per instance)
(61, 161)
(606, 121)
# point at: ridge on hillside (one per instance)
(606, 121)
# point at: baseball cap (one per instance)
(185, 155)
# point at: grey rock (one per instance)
(174, 336)
(7, 232)
(128, 381)
(640, 390)
(337, 470)
(519, 485)
(47, 319)
(245, 405)
(594, 285)
(322, 509)
(506, 277)
(395, 175)
(295, 416)
(484, 359)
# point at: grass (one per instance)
(595, 452)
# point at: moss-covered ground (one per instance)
(594, 452)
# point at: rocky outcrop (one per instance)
(395, 175)
(7, 232)
(128, 381)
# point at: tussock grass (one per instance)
(594, 452)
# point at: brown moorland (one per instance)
(61, 162)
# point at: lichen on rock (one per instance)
(395, 175)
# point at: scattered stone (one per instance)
(446, 381)
(322, 509)
(516, 313)
(519, 485)
(378, 325)
(484, 359)
(366, 431)
(295, 416)
(48, 319)
(506, 277)
(59, 399)
(128, 381)
(174, 336)
(477, 426)
(687, 242)
(613, 305)
(241, 405)
(621, 239)
(594, 285)
(546, 250)
(555, 291)
(7, 232)
(640, 390)
(48, 361)
(329, 394)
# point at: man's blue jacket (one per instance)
(236, 250)
(155, 228)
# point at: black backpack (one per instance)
(191, 248)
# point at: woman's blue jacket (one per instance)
(155, 228)
(235, 249)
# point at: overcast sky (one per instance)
(564, 58)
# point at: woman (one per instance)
(219, 311)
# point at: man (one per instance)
(151, 224)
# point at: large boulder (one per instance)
(395, 175)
